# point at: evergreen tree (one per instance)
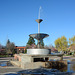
(31, 41)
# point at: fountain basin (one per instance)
(39, 36)
(38, 51)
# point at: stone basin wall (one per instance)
(28, 61)
(17, 57)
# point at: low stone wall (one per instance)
(17, 63)
(28, 61)
(17, 57)
(32, 65)
(49, 64)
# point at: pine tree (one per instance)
(31, 41)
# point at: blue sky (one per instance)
(17, 20)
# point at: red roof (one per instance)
(20, 47)
(2, 49)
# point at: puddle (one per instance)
(71, 66)
(5, 63)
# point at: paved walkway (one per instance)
(15, 69)
(9, 69)
(68, 58)
(6, 58)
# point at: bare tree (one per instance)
(10, 47)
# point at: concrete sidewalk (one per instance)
(6, 58)
(4, 70)
(14, 69)
(68, 58)
(9, 69)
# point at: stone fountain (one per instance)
(39, 57)
(38, 36)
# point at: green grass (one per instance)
(4, 56)
(68, 55)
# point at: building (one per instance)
(20, 49)
(2, 51)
